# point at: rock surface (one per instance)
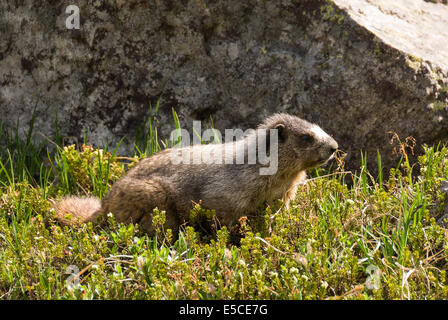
(359, 68)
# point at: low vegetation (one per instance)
(348, 235)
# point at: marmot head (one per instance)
(301, 143)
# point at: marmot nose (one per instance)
(333, 146)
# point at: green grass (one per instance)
(375, 238)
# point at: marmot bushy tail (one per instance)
(74, 210)
(233, 178)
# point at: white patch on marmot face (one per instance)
(319, 133)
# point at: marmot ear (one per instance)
(282, 132)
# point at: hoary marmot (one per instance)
(233, 189)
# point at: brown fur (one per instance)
(232, 190)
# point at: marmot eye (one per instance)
(307, 138)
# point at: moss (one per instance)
(330, 13)
(414, 62)
(263, 50)
(377, 51)
(443, 89)
(439, 106)
(323, 65)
